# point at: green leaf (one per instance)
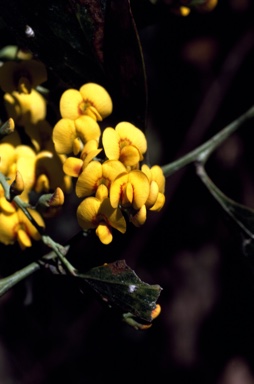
(241, 215)
(119, 286)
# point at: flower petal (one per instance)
(141, 188)
(98, 97)
(139, 217)
(116, 189)
(64, 133)
(114, 216)
(147, 171)
(87, 213)
(77, 146)
(69, 104)
(26, 224)
(102, 192)
(87, 129)
(111, 169)
(153, 194)
(130, 155)
(158, 176)
(23, 239)
(7, 157)
(7, 226)
(72, 166)
(104, 233)
(25, 108)
(42, 184)
(110, 141)
(134, 135)
(89, 179)
(159, 203)
(6, 206)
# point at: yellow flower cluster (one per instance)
(114, 187)
(35, 165)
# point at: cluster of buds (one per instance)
(114, 184)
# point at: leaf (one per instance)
(241, 215)
(119, 286)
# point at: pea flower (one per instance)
(70, 136)
(22, 159)
(7, 157)
(49, 172)
(25, 108)
(25, 231)
(40, 135)
(91, 99)
(24, 163)
(156, 198)
(22, 76)
(125, 143)
(5, 206)
(73, 166)
(97, 213)
(130, 189)
(8, 223)
(95, 174)
(15, 226)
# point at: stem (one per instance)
(209, 146)
(8, 282)
(60, 252)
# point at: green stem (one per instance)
(8, 282)
(60, 252)
(209, 146)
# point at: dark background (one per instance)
(200, 78)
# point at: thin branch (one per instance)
(209, 146)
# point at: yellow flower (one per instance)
(25, 230)
(91, 99)
(40, 135)
(49, 172)
(156, 198)
(89, 152)
(21, 159)
(5, 206)
(73, 166)
(97, 212)
(138, 217)
(15, 226)
(7, 157)
(22, 76)
(25, 108)
(130, 189)
(95, 174)
(24, 162)
(71, 136)
(8, 223)
(126, 143)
